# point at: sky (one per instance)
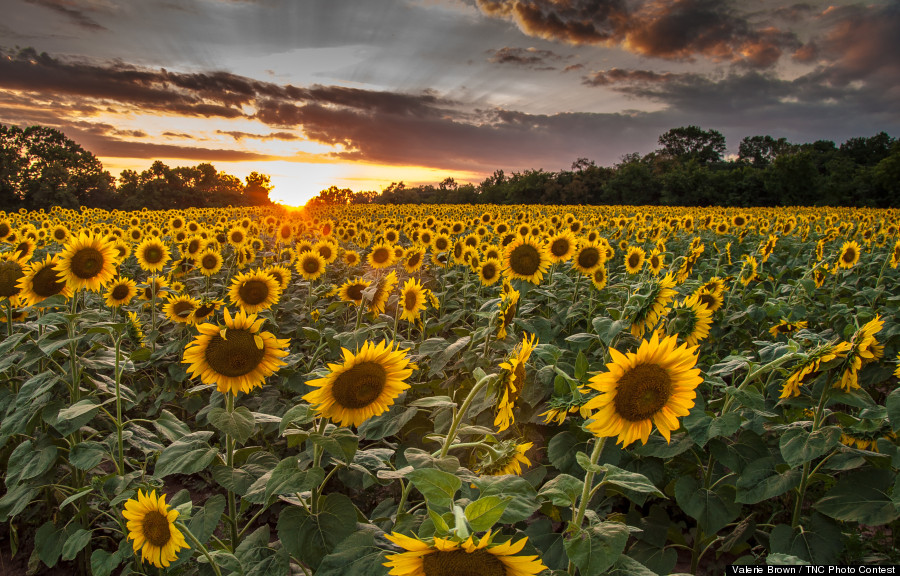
(359, 94)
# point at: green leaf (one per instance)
(40, 462)
(239, 424)
(437, 486)
(103, 563)
(785, 560)
(340, 443)
(300, 414)
(627, 566)
(440, 525)
(861, 496)
(75, 543)
(73, 417)
(16, 500)
(48, 543)
(594, 550)
(563, 490)
(357, 555)
(34, 387)
(561, 451)
(388, 424)
(287, 478)
(273, 564)
(760, 481)
(237, 480)
(893, 408)
(549, 543)
(483, 513)
(86, 455)
(437, 364)
(630, 481)
(799, 446)
(818, 540)
(522, 496)
(434, 402)
(712, 509)
(311, 537)
(204, 522)
(170, 427)
(76, 496)
(189, 455)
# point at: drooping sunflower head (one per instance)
(693, 320)
(151, 524)
(364, 385)
(506, 457)
(512, 380)
(40, 281)
(653, 386)
(87, 262)
(383, 290)
(237, 357)
(205, 311)
(254, 291)
(445, 557)
(526, 259)
(785, 326)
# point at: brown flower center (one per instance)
(461, 563)
(525, 260)
(642, 392)
(410, 300)
(489, 271)
(153, 254)
(310, 265)
(156, 528)
(120, 291)
(381, 255)
(634, 260)
(359, 386)
(253, 292)
(235, 355)
(559, 247)
(10, 272)
(209, 261)
(588, 258)
(87, 263)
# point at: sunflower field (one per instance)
(448, 390)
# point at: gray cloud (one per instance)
(526, 57)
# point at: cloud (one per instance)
(68, 8)
(617, 76)
(862, 44)
(237, 135)
(672, 30)
(525, 57)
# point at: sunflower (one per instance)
(151, 524)
(87, 262)
(327, 250)
(120, 292)
(254, 291)
(363, 386)
(512, 381)
(655, 307)
(412, 300)
(441, 243)
(785, 326)
(634, 259)
(748, 270)
(6, 228)
(655, 385)
(451, 558)
(655, 261)
(351, 258)
(25, 247)
(599, 278)
(561, 247)
(281, 275)
(699, 319)
(509, 305)
(152, 254)
(237, 236)
(589, 257)
(810, 365)
(864, 348)
(209, 262)
(12, 271)
(155, 286)
(352, 290)
(413, 259)
(310, 264)
(40, 281)
(849, 255)
(237, 357)
(526, 258)
(133, 328)
(204, 311)
(180, 308)
(506, 457)
(489, 272)
(382, 291)
(381, 256)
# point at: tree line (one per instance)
(40, 167)
(688, 169)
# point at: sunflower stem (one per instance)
(120, 463)
(460, 414)
(317, 461)
(804, 478)
(229, 461)
(586, 493)
(197, 545)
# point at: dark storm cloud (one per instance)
(526, 57)
(863, 44)
(618, 76)
(69, 9)
(674, 30)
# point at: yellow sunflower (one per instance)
(506, 457)
(509, 305)
(381, 256)
(382, 291)
(655, 385)
(589, 257)
(152, 254)
(363, 386)
(655, 261)
(87, 262)
(180, 308)
(864, 348)
(310, 264)
(413, 259)
(657, 305)
(849, 255)
(451, 558)
(40, 281)
(237, 357)
(151, 524)
(489, 272)
(352, 290)
(699, 319)
(512, 381)
(526, 258)
(120, 292)
(205, 310)
(599, 278)
(412, 300)
(634, 259)
(12, 271)
(785, 326)
(209, 262)
(351, 258)
(281, 275)
(810, 365)
(254, 291)
(156, 286)
(561, 246)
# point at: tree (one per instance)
(762, 150)
(693, 143)
(256, 190)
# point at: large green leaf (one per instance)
(169, 426)
(287, 478)
(73, 417)
(595, 549)
(818, 541)
(861, 496)
(549, 543)
(387, 424)
(761, 480)
(103, 562)
(237, 480)
(893, 409)
(522, 496)
(357, 555)
(311, 537)
(239, 423)
(631, 481)
(86, 455)
(799, 446)
(189, 455)
(562, 490)
(204, 522)
(712, 509)
(483, 513)
(75, 543)
(341, 443)
(437, 486)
